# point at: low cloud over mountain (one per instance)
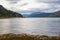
(31, 5)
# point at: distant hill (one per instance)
(4, 13)
(39, 14)
(42, 14)
(56, 14)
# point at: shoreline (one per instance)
(12, 36)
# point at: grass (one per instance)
(27, 37)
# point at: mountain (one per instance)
(42, 14)
(56, 14)
(4, 13)
(39, 14)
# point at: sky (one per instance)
(28, 6)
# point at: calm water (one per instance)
(40, 26)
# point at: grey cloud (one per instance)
(13, 1)
(52, 9)
(49, 1)
(24, 4)
(55, 5)
(31, 10)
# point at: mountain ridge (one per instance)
(4, 13)
(42, 14)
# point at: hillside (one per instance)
(42, 14)
(57, 14)
(4, 13)
(39, 14)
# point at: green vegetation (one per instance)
(4, 13)
(27, 37)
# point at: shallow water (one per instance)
(38, 26)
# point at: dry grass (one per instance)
(27, 37)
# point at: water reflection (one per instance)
(4, 26)
(46, 26)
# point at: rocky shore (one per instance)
(27, 37)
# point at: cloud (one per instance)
(5, 4)
(49, 1)
(35, 5)
(42, 5)
(13, 1)
(31, 5)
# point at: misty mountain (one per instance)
(42, 14)
(56, 14)
(4, 13)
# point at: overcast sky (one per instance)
(27, 6)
